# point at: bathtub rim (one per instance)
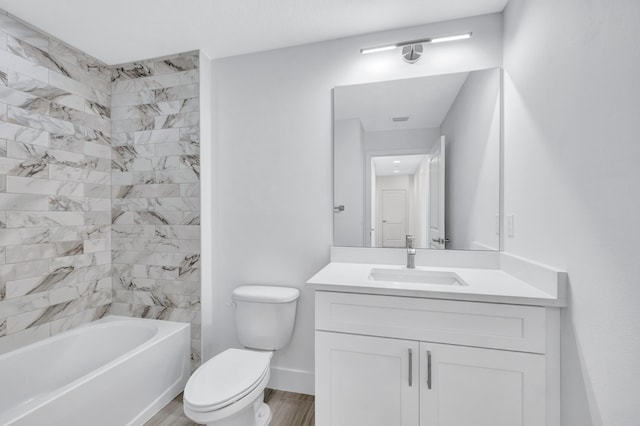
(107, 319)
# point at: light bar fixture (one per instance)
(378, 49)
(451, 38)
(414, 42)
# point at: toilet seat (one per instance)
(225, 379)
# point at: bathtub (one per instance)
(112, 372)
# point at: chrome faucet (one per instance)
(411, 251)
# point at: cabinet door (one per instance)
(366, 381)
(463, 386)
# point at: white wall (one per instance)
(418, 141)
(348, 184)
(472, 134)
(572, 172)
(274, 188)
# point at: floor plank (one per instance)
(287, 409)
(290, 409)
(171, 415)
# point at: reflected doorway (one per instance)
(399, 195)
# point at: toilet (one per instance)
(228, 390)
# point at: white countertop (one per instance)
(484, 285)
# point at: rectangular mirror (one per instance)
(419, 157)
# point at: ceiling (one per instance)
(424, 100)
(119, 31)
(397, 165)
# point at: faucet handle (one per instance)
(410, 241)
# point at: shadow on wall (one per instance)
(574, 374)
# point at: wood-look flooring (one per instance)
(287, 409)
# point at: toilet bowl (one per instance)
(228, 390)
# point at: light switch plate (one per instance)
(510, 225)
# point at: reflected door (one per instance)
(437, 237)
(393, 205)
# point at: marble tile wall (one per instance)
(156, 191)
(55, 186)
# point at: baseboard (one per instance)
(290, 380)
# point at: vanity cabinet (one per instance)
(389, 360)
(366, 380)
(477, 386)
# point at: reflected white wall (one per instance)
(472, 133)
(348, 185)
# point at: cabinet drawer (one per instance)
(489, 325)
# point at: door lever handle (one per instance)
(441, 240)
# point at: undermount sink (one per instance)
(416, 276)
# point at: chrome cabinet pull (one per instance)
(410, 367)
(429, 369)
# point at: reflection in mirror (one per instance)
(421, 157)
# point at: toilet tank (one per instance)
(265, 315)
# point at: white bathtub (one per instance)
(112, 372)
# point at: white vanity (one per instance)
(475, 342)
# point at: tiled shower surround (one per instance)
(99, 188)
(55, 208)
(156, 191)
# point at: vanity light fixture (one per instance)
(396, 161)
(412, 50)
(378, 49)
(451, 38)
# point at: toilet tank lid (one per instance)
(265, 294)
